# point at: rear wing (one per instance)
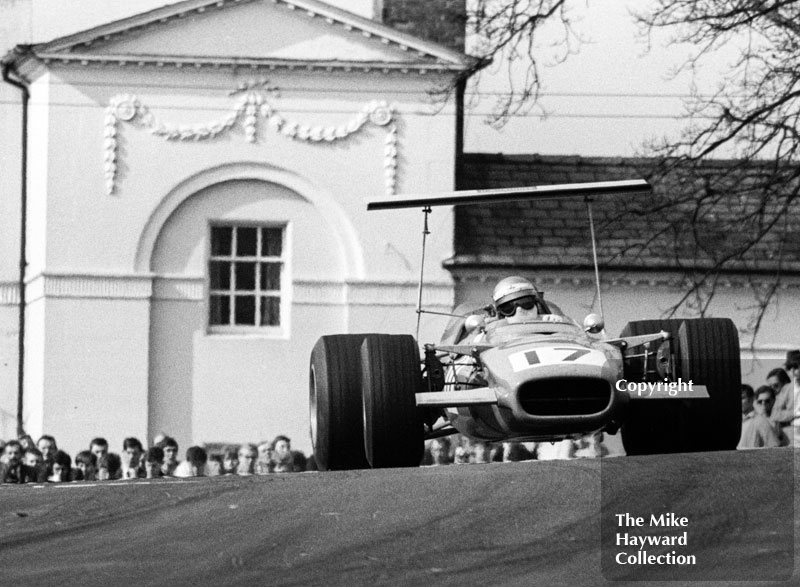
(488, 196)
(586, 191)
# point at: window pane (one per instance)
(245, 310)
(219, 310)
(270, 276)
(221, 240)
(271, 242)
(246, 241)
(219, 274)
(270, 311)
(245, 276)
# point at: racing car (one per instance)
(669, 385)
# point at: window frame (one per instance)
(277, 331)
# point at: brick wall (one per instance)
(440, 21)
(631, 233)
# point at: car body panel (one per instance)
(542, 378)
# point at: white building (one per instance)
(196, 219)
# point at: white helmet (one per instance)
(510, 289)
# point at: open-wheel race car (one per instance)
(519, 369)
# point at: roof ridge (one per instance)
(313, 8)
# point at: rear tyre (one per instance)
(708, 354)
(337, 425)
(709, 351)
(391, 376)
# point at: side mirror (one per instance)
(474, 322)
(593, 324)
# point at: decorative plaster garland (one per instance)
(251, 106)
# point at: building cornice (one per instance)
(88, 285)
(9, 293)
(192, 288)
(200, 62)
(549, 275)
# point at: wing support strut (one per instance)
(594, 256)
(425, 232)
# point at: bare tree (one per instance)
(727, 186)
(508, 32)
(741, 215)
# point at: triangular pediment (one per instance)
(252, 30)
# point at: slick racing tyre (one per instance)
(391, 375)
(707, 350)
(337, 425)
(709, 355)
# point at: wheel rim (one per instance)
(313, 407)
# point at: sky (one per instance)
(607, 99)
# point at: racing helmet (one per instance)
(510, 289)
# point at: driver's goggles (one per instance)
(510, 308)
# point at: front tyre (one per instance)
(337, 429)
(391, 376)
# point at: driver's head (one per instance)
(515, 293)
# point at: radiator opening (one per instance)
(568, 396)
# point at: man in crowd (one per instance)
(264, 462)
(26, 441)
(62, 468)
(34, 469)
(85, 466)
(47, 446)
(439, 450)
(748, 395)
(786, 411)
(776, 379)
(591, 446)
(248, 453)
(170, 447)
(108, 463)
(230, 461)
(461, 455)
(132, 459)
(282, 456)
(11, 463)
(758, 431)
(195, 463)
(153, 462)
(481, 452)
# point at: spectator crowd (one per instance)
(25, 461)
(771, 412)
(461, 450)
